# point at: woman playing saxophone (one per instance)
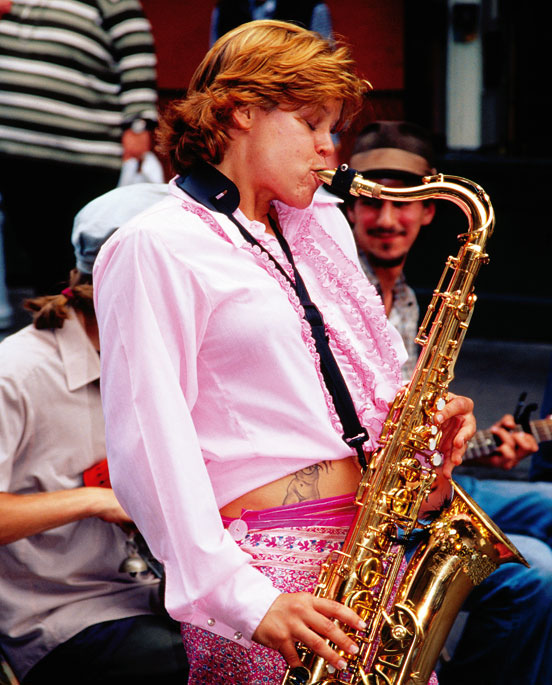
(225, 443)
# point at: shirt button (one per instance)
(237, 635)
(238, 529)
(211, 621)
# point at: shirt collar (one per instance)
(210, 187)
(217, 192)
(80, 360)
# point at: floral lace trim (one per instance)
(349, 285)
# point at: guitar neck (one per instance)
(483, 443)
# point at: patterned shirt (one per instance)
(72, 74)
(404, 314)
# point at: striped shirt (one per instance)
(73, 73)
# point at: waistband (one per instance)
(331, 511)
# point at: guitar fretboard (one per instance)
(484, 444)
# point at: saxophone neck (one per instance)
(466, 194)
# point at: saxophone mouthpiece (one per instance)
(345, 181)
(339, 180)
(326, 175)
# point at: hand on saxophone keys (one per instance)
(302, 617)
(457, 423)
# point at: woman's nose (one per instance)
(325, 145)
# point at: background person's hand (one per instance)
(514, 446)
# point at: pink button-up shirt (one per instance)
(212, 387)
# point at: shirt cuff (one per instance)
(234, 609)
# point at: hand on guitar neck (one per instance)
(506, 443)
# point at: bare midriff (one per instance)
(325, 479)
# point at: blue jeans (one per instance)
(507, 637)
(517, 507)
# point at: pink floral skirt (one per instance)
(291, 557)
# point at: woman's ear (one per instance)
(242, 117)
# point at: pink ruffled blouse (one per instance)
(212, 387)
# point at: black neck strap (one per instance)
(215, 191)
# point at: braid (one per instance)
(51, 311)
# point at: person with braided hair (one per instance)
(70, 613)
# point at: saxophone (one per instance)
(462, 546)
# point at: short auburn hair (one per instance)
(265, 63)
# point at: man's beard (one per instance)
(385, 263)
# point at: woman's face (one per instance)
(286, 148)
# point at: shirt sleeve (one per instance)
(152, 315)
(134, 51)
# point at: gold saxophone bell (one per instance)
(464, 547)
(406, 632)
